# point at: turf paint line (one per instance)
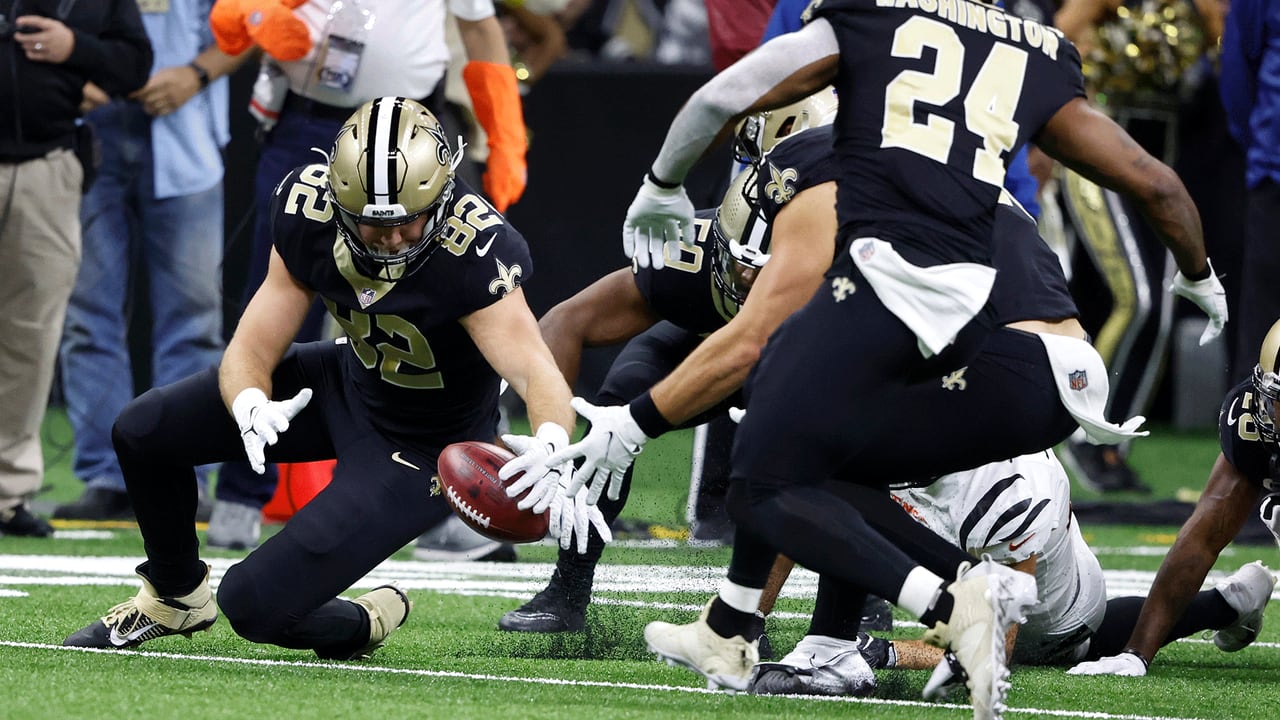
(485, 677)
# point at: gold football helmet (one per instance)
(740, 237)
(390, 165)
(1266, 385)
(757, 134)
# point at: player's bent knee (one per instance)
(138, 420)
(245, 609)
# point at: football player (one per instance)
(1018, 511)
(1244, 473)
(931, 105)
(424, 276)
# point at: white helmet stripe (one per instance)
(381, 159)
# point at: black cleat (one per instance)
(552, 610)
(21, 522)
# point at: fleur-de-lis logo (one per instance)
(782, 185)
(807, 14)
(955, 381)
(506, 280)
(842, 287)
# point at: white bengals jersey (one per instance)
(1012, 510)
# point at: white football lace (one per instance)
(467, 509)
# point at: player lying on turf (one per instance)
(383, 232)
(1245, 471)
(1018, 511)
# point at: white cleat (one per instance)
(725, 662)
(817, 666)
(989, 599)
(1247, 591)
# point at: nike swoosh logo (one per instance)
(1013, 547)
(484, 249)
(121, 640)
(396, 457)
(1231, 419)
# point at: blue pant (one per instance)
(178, 243)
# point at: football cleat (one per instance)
(1247, 591)
(815, 667)
(947, 676)
(552, 610)
(725, 662)
(989, 599)
(388, 608)
(147, 616)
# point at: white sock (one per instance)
(918, 591)
(821, 647)
(740, 598)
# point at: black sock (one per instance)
(727, 622)
(831, 609)
(940, 609)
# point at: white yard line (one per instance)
(485, 677)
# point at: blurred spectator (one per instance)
(45, 62)
(156, 207)
(1250, 87)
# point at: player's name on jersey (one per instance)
(988, 19)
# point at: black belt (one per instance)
(294, 102)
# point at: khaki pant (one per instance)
(39, 258)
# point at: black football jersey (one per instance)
(409, 361)
(798, 163)
(936, 96)
(1030, 284)
(684, 292)
(1241, 444)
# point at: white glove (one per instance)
(533, 457)
(1209, 295)
(1126, 664)
(261, 421)
(572, 517)
(1270, 513)
(656, 216)
(608, 449)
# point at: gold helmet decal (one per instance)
(741, 237)
(390, 165)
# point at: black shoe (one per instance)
(1101, 468)
(97, 503)
(877, 614)
(878, 653)
(551, 611)
(19, 521)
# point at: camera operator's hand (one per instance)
(168, 89)
(44, 39)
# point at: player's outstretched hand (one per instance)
(1127, 664)
(261, 420)
(657, 216)
(1209, 295)
(608, 449)
(572, 518)
(542, 473)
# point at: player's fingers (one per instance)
(602, 527)
(657, 246)
(291, 407)
(615, 485)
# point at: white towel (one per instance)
(1083, 385)
(934, 302)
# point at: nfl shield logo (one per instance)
(367, 296)
(1078, 380)
(866, 251)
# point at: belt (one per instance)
(294, 102)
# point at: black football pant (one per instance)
(836, 397)
(285, 591)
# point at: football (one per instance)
(468, 473)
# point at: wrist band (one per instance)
(201, 73)
(648, 417)
(1208, 270)
(1138, 655)
(659, 182)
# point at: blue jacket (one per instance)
(1250, 84)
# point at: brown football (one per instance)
(469, 480)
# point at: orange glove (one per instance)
(271, 24)
(497, 104)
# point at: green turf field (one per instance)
(450, 661)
